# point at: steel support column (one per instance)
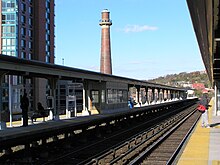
(147, 97)
(153, 94)
(85, 98)
(157, 95)
(2, 111)
(162, 94)
(53, 83)
(171, 95)
(138, 94)
(217, 100)
(89, 102)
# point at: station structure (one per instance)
(61, 88)
(203, 146)
(105, 93)
(206, 22)
(27, 32)
(102, 93)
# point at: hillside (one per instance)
(184, 78)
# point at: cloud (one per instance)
(138, 28)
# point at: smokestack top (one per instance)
(105, 21)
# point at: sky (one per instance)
(149, 38)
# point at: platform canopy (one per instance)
(205, 19)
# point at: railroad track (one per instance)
(168, 147)
(159, 145)
(110, 146)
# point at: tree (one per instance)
(198, 93)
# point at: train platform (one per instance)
(203, 147)
(17, 135)
(39, 120)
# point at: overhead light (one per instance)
(217, 39)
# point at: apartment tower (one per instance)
(26, 31)
(106, 63)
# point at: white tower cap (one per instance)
(105, 10)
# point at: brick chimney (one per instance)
(105, 63)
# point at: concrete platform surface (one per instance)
(203, 147)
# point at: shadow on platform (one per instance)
(214, 124)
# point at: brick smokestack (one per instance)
(106, 63)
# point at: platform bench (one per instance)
(36, 115)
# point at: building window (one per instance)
(8, 31)
(3, 18)
(13, 41)
(30, 21)
(23, 7)
(4, 43)
(8, 18)
(117, 96)
(103, 96)
(110, 96)
(47, 26)
(22, 19)
(8, 6)
(30, 56)
(48, 4)
(23, 31)
(30, 33)
(47, 15)
(30, 9)
(47, 59)
(23, 43)
(30, 45)
(47, 37)
(47, 48)
(8, 42)
(13, 53)
(95, 96)
(23, 55)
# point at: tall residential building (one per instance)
(26, 31)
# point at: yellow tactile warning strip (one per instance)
(18, 123)
(196, 151)
(214, 162)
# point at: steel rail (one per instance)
(177, 151)
(161, 139)
(109, 151)
(117, 142)
(141, 139)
